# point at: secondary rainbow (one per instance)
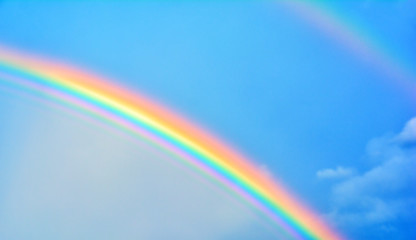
(356, 40)
(140, 116)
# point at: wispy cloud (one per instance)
(339, 172)
(382, 199)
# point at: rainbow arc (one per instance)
(91, 94)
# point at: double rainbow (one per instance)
(144, 118)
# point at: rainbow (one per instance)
(142, 117)
(363, 46)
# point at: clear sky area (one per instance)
(320, 95)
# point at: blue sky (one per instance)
(260, 76)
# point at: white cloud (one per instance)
(77, 180)
(383, 195)
(339, 172)
(409, 132)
